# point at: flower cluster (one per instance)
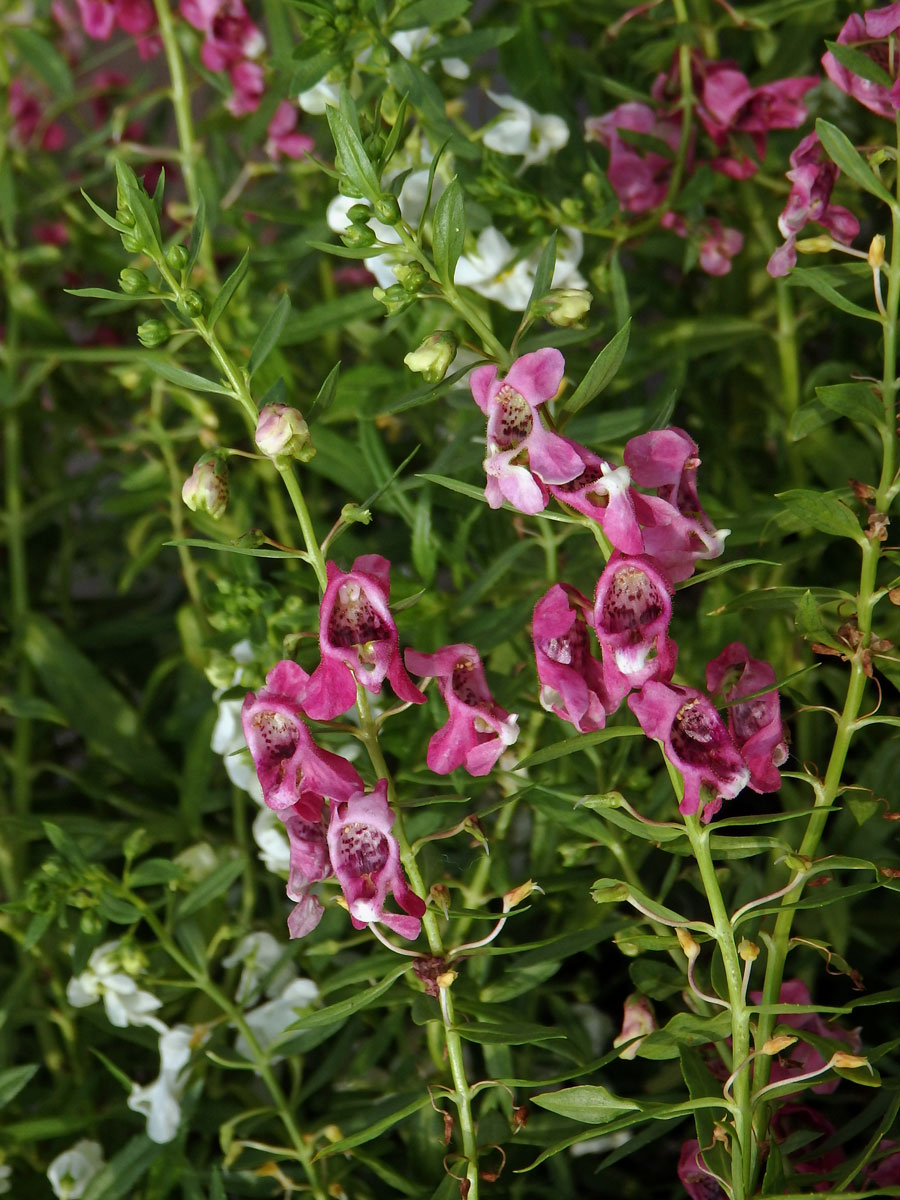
(231, 43)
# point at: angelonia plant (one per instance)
(452, 684)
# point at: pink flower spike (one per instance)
(282, 136)
(603, 493)
(632, 611)
(292, 769)
(358, 640)
(755, 726)
(695, 741)
(366, 860)
(478, 729)
(571, 678)
(858, 33)
(514, 424)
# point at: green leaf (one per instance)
(119, 911)
(186, 379)
(602, 371)
(43, 58)
(93, 707)
(592, 1105)
(406, 1109)
(13, 1079)
(326, 394)
(198, 231)
(229, 287)
(339, 1011)
(429, 12)
(118, 1177)
(267, 338)
(397, 130)
(823, 512)
(517, 1033)
(94, 293)
(574, 744)
(208, 889)
(353, 160)
(423, 547)
(860, 64)
(469, 45)
(843, 153)
(146, 222)
(348, 252)
(311, 68)
(216, 1186)
(154, 870)
(684, 1029)
(104, 215)
(854, 400)
(543, 276)
(810, 277)
(809, 624)
(449, 230)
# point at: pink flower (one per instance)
(755, 726)
(695, 741)
(695, 1178)
(718, 247)
(803, 1058)
(230, 35)
(865, 34)
(638, 1020)
(310, 861)
(366, 860)
(248, 83)
(282, 136)
(640, 179)
(358, 640)
(571, 678)
(137, 17)
(516, 435)
(603, 492)
(885, 1172)
(632, 611)
(293, 771)
(28, 119)
(812, 177)
(478, 729)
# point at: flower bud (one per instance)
(191, 304)
(517, 894)
(412, 275)
(152, 334)
(433, 356)
(133, 282)
(374, 146)
(206, 488)
(282, 432)
(816, 245)
(387, 209)
(396, 299)
(775, 1045)
(690, 947)
(638, 1020)
(565, 307)
(875, 257)
(358, 236)
(358, 214)
(177, 257)
(748, 951)
(132, 242)
(847, 1061)
(125, 216)
(352, 514)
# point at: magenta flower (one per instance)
(282, 136)
(718, 247)
(755, 726)
(230, 40)
(802, 1058)
(696, 1180)
(812, 177)
(632, 611)
(640, 179)
(478, 729)
(571, 678)
(886, 1172)
(293, 771)
(366, 860)
(248, 86)
(868, 35)
(694, 740)
(794, 1119)
(28, 119)
(638, 1020)
(358, 639)
(310, 862)
(603, 492)
(516, 435)
(100, 17)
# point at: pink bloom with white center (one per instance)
(366, 860)
(632, 611)
(516, 435)
(869, 35)
(695, 1178)
(812, 177)
(755, 725)
(478, 729)
(802, 1058)
(718, 247)
(695, 741)
(603, 492)
(282, 137)
(639, 178)
(571, 679)
(293, 771)
(358, 640)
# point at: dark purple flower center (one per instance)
(632, 601)
(353, 620)
(461, 683)
(363, 849)
(589, 475)
(278, 733)
(514, 419)
(699, 739)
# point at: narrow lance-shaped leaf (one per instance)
(354, 162)
(449, 230)
(229, 287)
(592, 1105)
(543, 276)
(268, 336)
(602, 370)
(843, 153)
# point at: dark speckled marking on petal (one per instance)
(278, 733)
(363, 849)
(354, 622)
(632, 600)
(515, 419)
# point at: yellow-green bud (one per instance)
(358, 236)
(352, 514)
(152, 334)
(387, 208)
(133, 282)
(816, 245)
(411, 275)
(191, 304)
(358, 214)
(132, 242)
(177, 257)
(125, 216)
(432, 358)
(565, 307)
(396, 299)
(875, 257)
(281, 432)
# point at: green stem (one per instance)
(462, 1091)
(313, 549)
(181, 101)
(741, 1149)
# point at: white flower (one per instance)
(270, 1020)
(491, 270)
(196, 861)
(522, 130)
(228, 740)
(5, 1175)
(104, 978)
(408, 41)
(319, 97)
(71, 1171)
(160, 1101)
(259, 952)
(271, 840)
